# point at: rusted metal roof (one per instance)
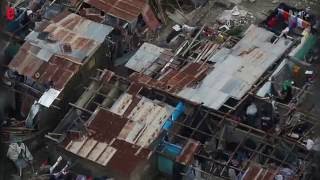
(237, 73)
(103, 146)
(58, 70)
(232, 76)
(119, 156)
(99, 123)
(127, 10)
(69, 35)
(118, 138)
(173, 80)
(128, 157)
(58, 50)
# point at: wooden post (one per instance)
(162, 16)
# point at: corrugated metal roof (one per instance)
(144, 58)
(120, 156)
(72, 40)
(240, 70)
(235, 71)
(98, 123)
(174, 80)
(127, 10)
(78, 34)
(119, 137)
(128, 157)
(104, 145)
(58, 70)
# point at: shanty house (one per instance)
(52, 63)
(227, 75)
(119, 13)
(115, 130)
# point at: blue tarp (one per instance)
(175, 115)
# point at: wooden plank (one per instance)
(87, 147)
(97, 151)
(106, 155)
(75, 146)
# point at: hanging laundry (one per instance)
(293, 20)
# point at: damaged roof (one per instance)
(106, 144)
(145, 57)
(57, 69)
(127, 10)
(173, 80)
(59, 49)
(119, 156)
(118, 138)
(235, 70)
(233, 77)
(69, 35)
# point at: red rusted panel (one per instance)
(61, 78)
(169, 75)
(174, 81)
(188, 151)
(60, 69)
(106, 125)
(184, 82)
(127, 10)
(45, 72)
(134, 88)
(24, 62)
(126, 159)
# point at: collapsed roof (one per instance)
(234, 72)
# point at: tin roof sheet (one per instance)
(81, 36)
(174, 81)
(240, 69)
(63, 46)
(104, 146)
(235, 71)
(128, 157)
(119, 156)
(99, 123)
(144, 58)
(118, 137)
(127, 10)
(58, 70)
